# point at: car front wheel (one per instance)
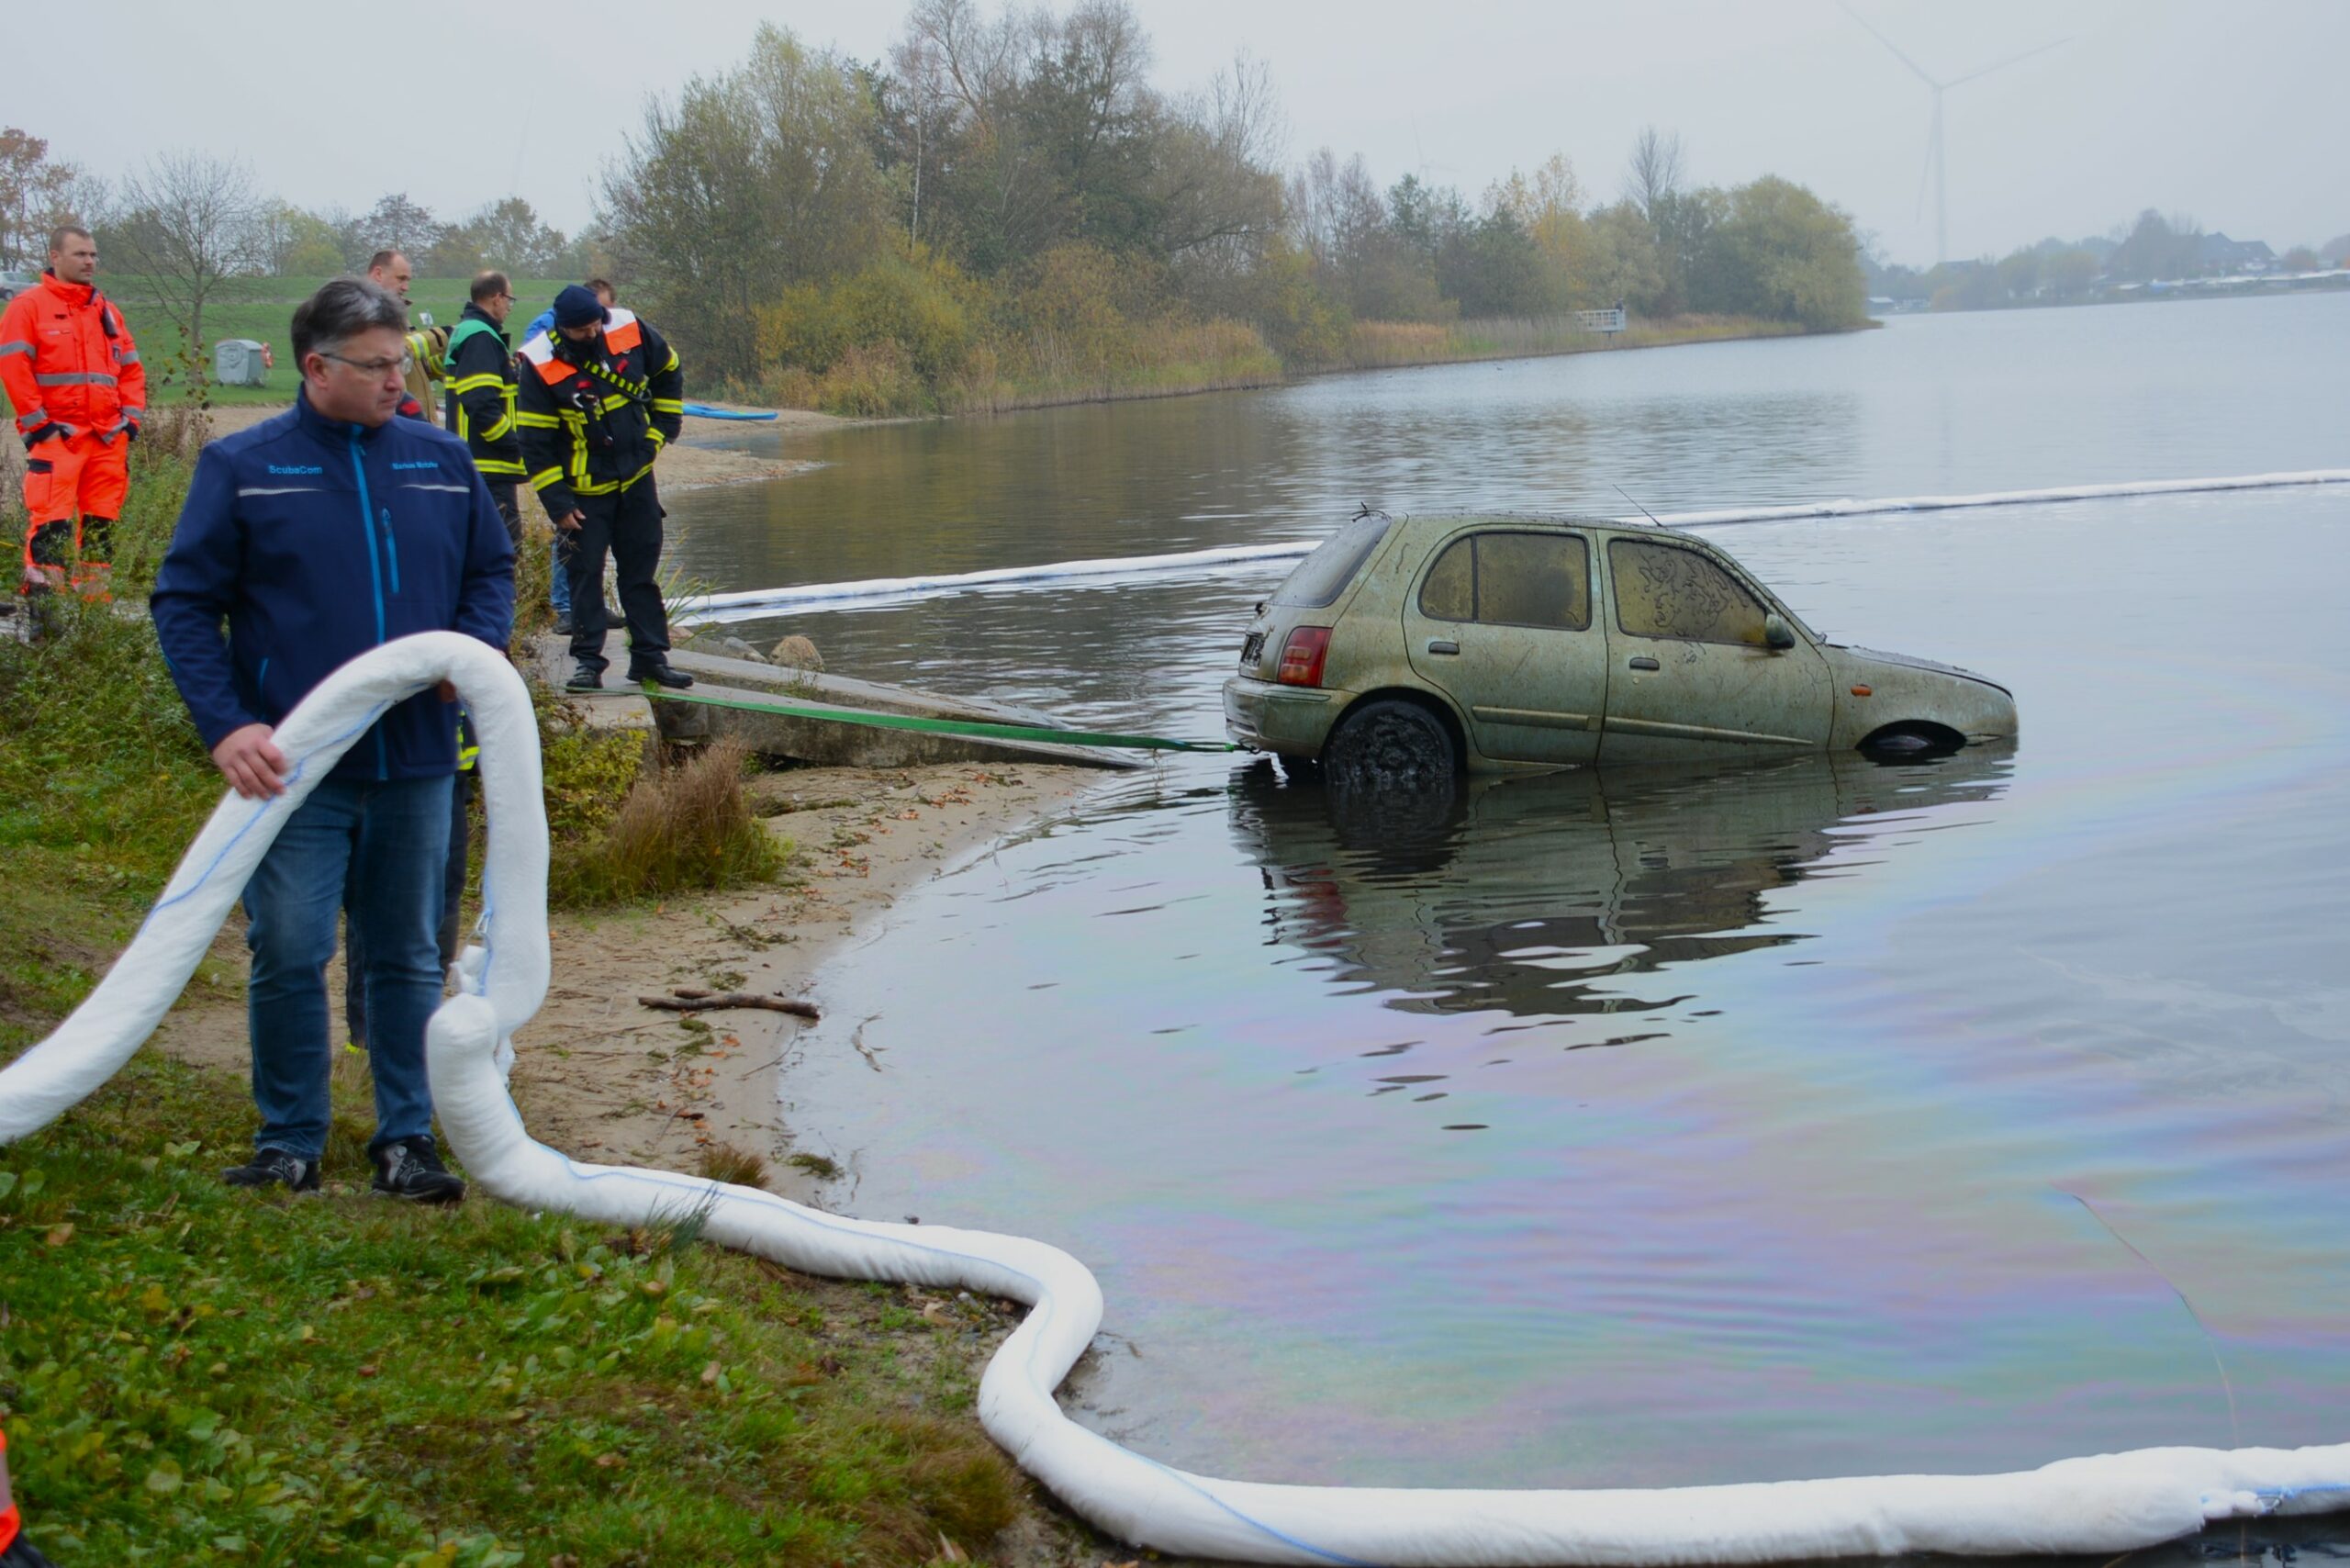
(1390, 744)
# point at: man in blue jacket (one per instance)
(316, 535)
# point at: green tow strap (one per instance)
(943, 726)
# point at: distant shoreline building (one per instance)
(2216, 255)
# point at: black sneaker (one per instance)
(585, 679)
(563, 623)
(661, 675)
(411, 1169)
(274, 1165)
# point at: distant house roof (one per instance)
(2218, 251)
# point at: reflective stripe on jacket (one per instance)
(595, 415)
(426, 349)
(479, 403)
(66, 358)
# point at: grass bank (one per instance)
(189, 1374)
(262, 309)
(1388, 346)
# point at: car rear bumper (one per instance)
(1292, 720)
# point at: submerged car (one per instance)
(1403, 649)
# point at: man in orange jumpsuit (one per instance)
(74, 374)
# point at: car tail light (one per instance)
(1302, 657)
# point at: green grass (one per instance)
(102, 761)
(190, 1373)
(263, 308)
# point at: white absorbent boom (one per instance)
(2110, 1503)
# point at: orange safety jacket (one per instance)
(67, 358)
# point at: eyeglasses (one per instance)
(373, 367)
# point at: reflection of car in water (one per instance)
(1399, 651)
(1539, 896)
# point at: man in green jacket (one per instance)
(480, 394)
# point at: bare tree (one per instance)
(1214, 177)
(1655, 172)
(399, 224)
(920, 71)
(34, 195)
(188, 224)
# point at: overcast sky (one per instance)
(2234, 114)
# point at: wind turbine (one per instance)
(1934, 141)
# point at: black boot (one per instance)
(585, 678)
(659, 672)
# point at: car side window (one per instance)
(1449, 590)
(1662, 590)
(1512, 579)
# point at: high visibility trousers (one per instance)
(75, 489)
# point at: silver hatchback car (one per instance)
(1403, 648)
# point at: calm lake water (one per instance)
(1806, 1119)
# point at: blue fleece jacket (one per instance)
(316, 541)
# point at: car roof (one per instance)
(1547, 519)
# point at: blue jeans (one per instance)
(389, 844)
(559, 564)
(452, 896)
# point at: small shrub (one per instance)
(921, 303)
(805, 327)
(872, 382)
(587, 774)
(724, 1162)
(688, 827)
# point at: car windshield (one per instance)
(1323, 576)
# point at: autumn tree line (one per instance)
(1005, 209)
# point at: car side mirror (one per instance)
(1777, 634)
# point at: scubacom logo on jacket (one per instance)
(294, 468)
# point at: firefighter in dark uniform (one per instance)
(599, 398)
(480, 395)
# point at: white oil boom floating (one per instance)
(748, 602)
(2110, 1503)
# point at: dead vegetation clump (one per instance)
(685, 827)
(736, 1166)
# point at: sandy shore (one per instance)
(688, 465)
(602, 1077)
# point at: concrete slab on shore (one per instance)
(621, 705)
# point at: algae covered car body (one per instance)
(1428, 645)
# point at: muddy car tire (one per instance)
(1390, 744)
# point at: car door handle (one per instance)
(1443, 645)
(1644, 662)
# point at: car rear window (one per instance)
(1324, 575)
(1662, 590)
(1512, 579)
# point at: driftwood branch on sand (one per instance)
(684, 1000)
